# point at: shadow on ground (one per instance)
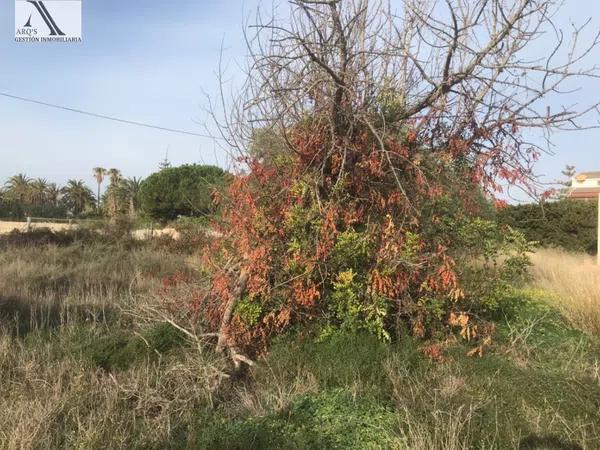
(23, 315)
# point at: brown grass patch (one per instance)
(574, 281)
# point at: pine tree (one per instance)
(562, 192)
(165, 163)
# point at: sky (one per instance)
(148, 61)
(154, 61)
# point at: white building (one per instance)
(585, 186)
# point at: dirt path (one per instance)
(149, 233)
(7, 227)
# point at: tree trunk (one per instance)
(224, 340)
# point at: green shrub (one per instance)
(493, 262)
(569, 224)
(14, 210)
(330, 420)
(336, 359)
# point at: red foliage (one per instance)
(433, 352)
(335, 187)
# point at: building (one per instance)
(585, 186)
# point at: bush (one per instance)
(566, 223)
(181, 191)
(493, 263)
(13, 210)
(354, 254)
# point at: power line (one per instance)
(103, 116)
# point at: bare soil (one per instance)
(7, 227)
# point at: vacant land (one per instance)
(89, 359)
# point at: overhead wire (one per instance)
(104, 116)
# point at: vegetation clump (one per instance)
(567, 224)
(181, 191)
(367, 204)
(343, 244)
(120, 351)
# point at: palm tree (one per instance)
(114, 194)
(18, 189)
(77, 196)
(115, 176)
(38, 190)
(53, 193)
(99, 174)
(132, 188)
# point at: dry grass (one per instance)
(64, 404)
(574, 281)
(275, 394)
(45, 288)
(439, 388)
(57, 304)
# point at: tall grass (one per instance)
(79, 371)
(50, 402)
(50, 285)
(574, 279)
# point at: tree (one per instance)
(99, 174)
(77, 196)
(38, 189)
(184, 190)
(165, 163)
(25, 197)
(121, 196)
(114, 175)
(18, 189)
(392, 122)
(569, 172)
(53, 193)
(6, 206)
(115, 195)
(566, 223)
(132, 191)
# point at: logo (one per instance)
(48, 20)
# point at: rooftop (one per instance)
(587, 192)
(589, 174)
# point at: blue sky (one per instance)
(148, 61)
(151, 61)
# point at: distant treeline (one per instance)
(569, 224)
(22, 196)
(169, 193)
